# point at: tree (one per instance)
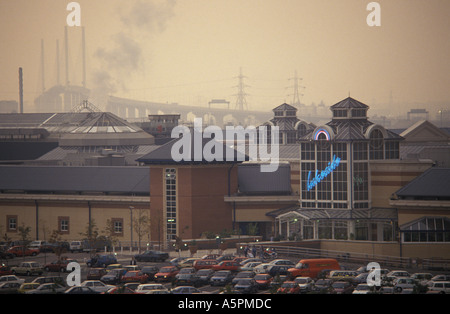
(24, 234)
(141, 225)
(91, 234)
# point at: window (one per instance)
(358, 113)
(63, 225)
(376, 144)
(392, 150)
(339, 113)
(171, 203)
(360, 151)
(117, 226)
(11, 222)
(301, 130)
(360, 181)
(428, 229)
(308, 151)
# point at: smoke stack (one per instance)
(20, 90)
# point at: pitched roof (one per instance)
(432, 184)
(349, 103)
(163, 154)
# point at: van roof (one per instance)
(317, 260)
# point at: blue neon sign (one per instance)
(323, 174)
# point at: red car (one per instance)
(204, 264)
(227, 265)
(134, 276)
(19, 250)
(58, 265)
(263, 280)
(166, 273)
(289, 287)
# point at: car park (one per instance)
(282, 262)
(403, 283)
(151, 256)
(275, 270)
(362, 288)
(348, 275)
(9, 287)
(51, 279)
(80, 290)
(186, 270)
(397, 274)
(313, 267)
(114, 276)
(262, 268)
(28, 268)
(27, 286)
(322, 285)
(250, 266)
(188, 262)
(76, 246)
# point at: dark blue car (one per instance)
(101, 261)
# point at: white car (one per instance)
(47, 288)
(282, 262)
(362, 288)
(262, 268)
(439, 286)
(401, 284)
(96, 285)
(11, 278)
(144, 288)
(305, 283)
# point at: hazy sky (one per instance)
(191, 51)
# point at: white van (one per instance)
(76, 246)
(439, 286)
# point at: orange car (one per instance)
(204, 264)
(289, 287)
(19, 250)
(263, 280)
(227, 265)
(166, 273)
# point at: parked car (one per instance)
(20, 250)
(58, 265)
(185, 290)
(341, 287)
(347, 275)
(150, 271)
(80, 290)
(262, 268)
(221, 278)
(226, 257)
(51, 279)
(304, 283)
(398, 274)
(166, 273)
(188, 262)
(144, 288)
(185, 270)
(282, 262)
(442, 287)
(188, 279)
(241, 275)
(246, 285)
(114, 276)
(289, 287)
(134, 276)
(96, 285)
(227, 265)
(263, 280)
(276, 270)
(11, 278)
(362, 288)
(95, 273)
(47, 288)
(9, 287)
(205, 275)
(322, 285)
(403, 283)
(101, 261)
(151, 256)
(422, 278)
(204, 263)
(250, 266)
(76, 246)
(28, 268)
(27, 286)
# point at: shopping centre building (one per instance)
(345, 184)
